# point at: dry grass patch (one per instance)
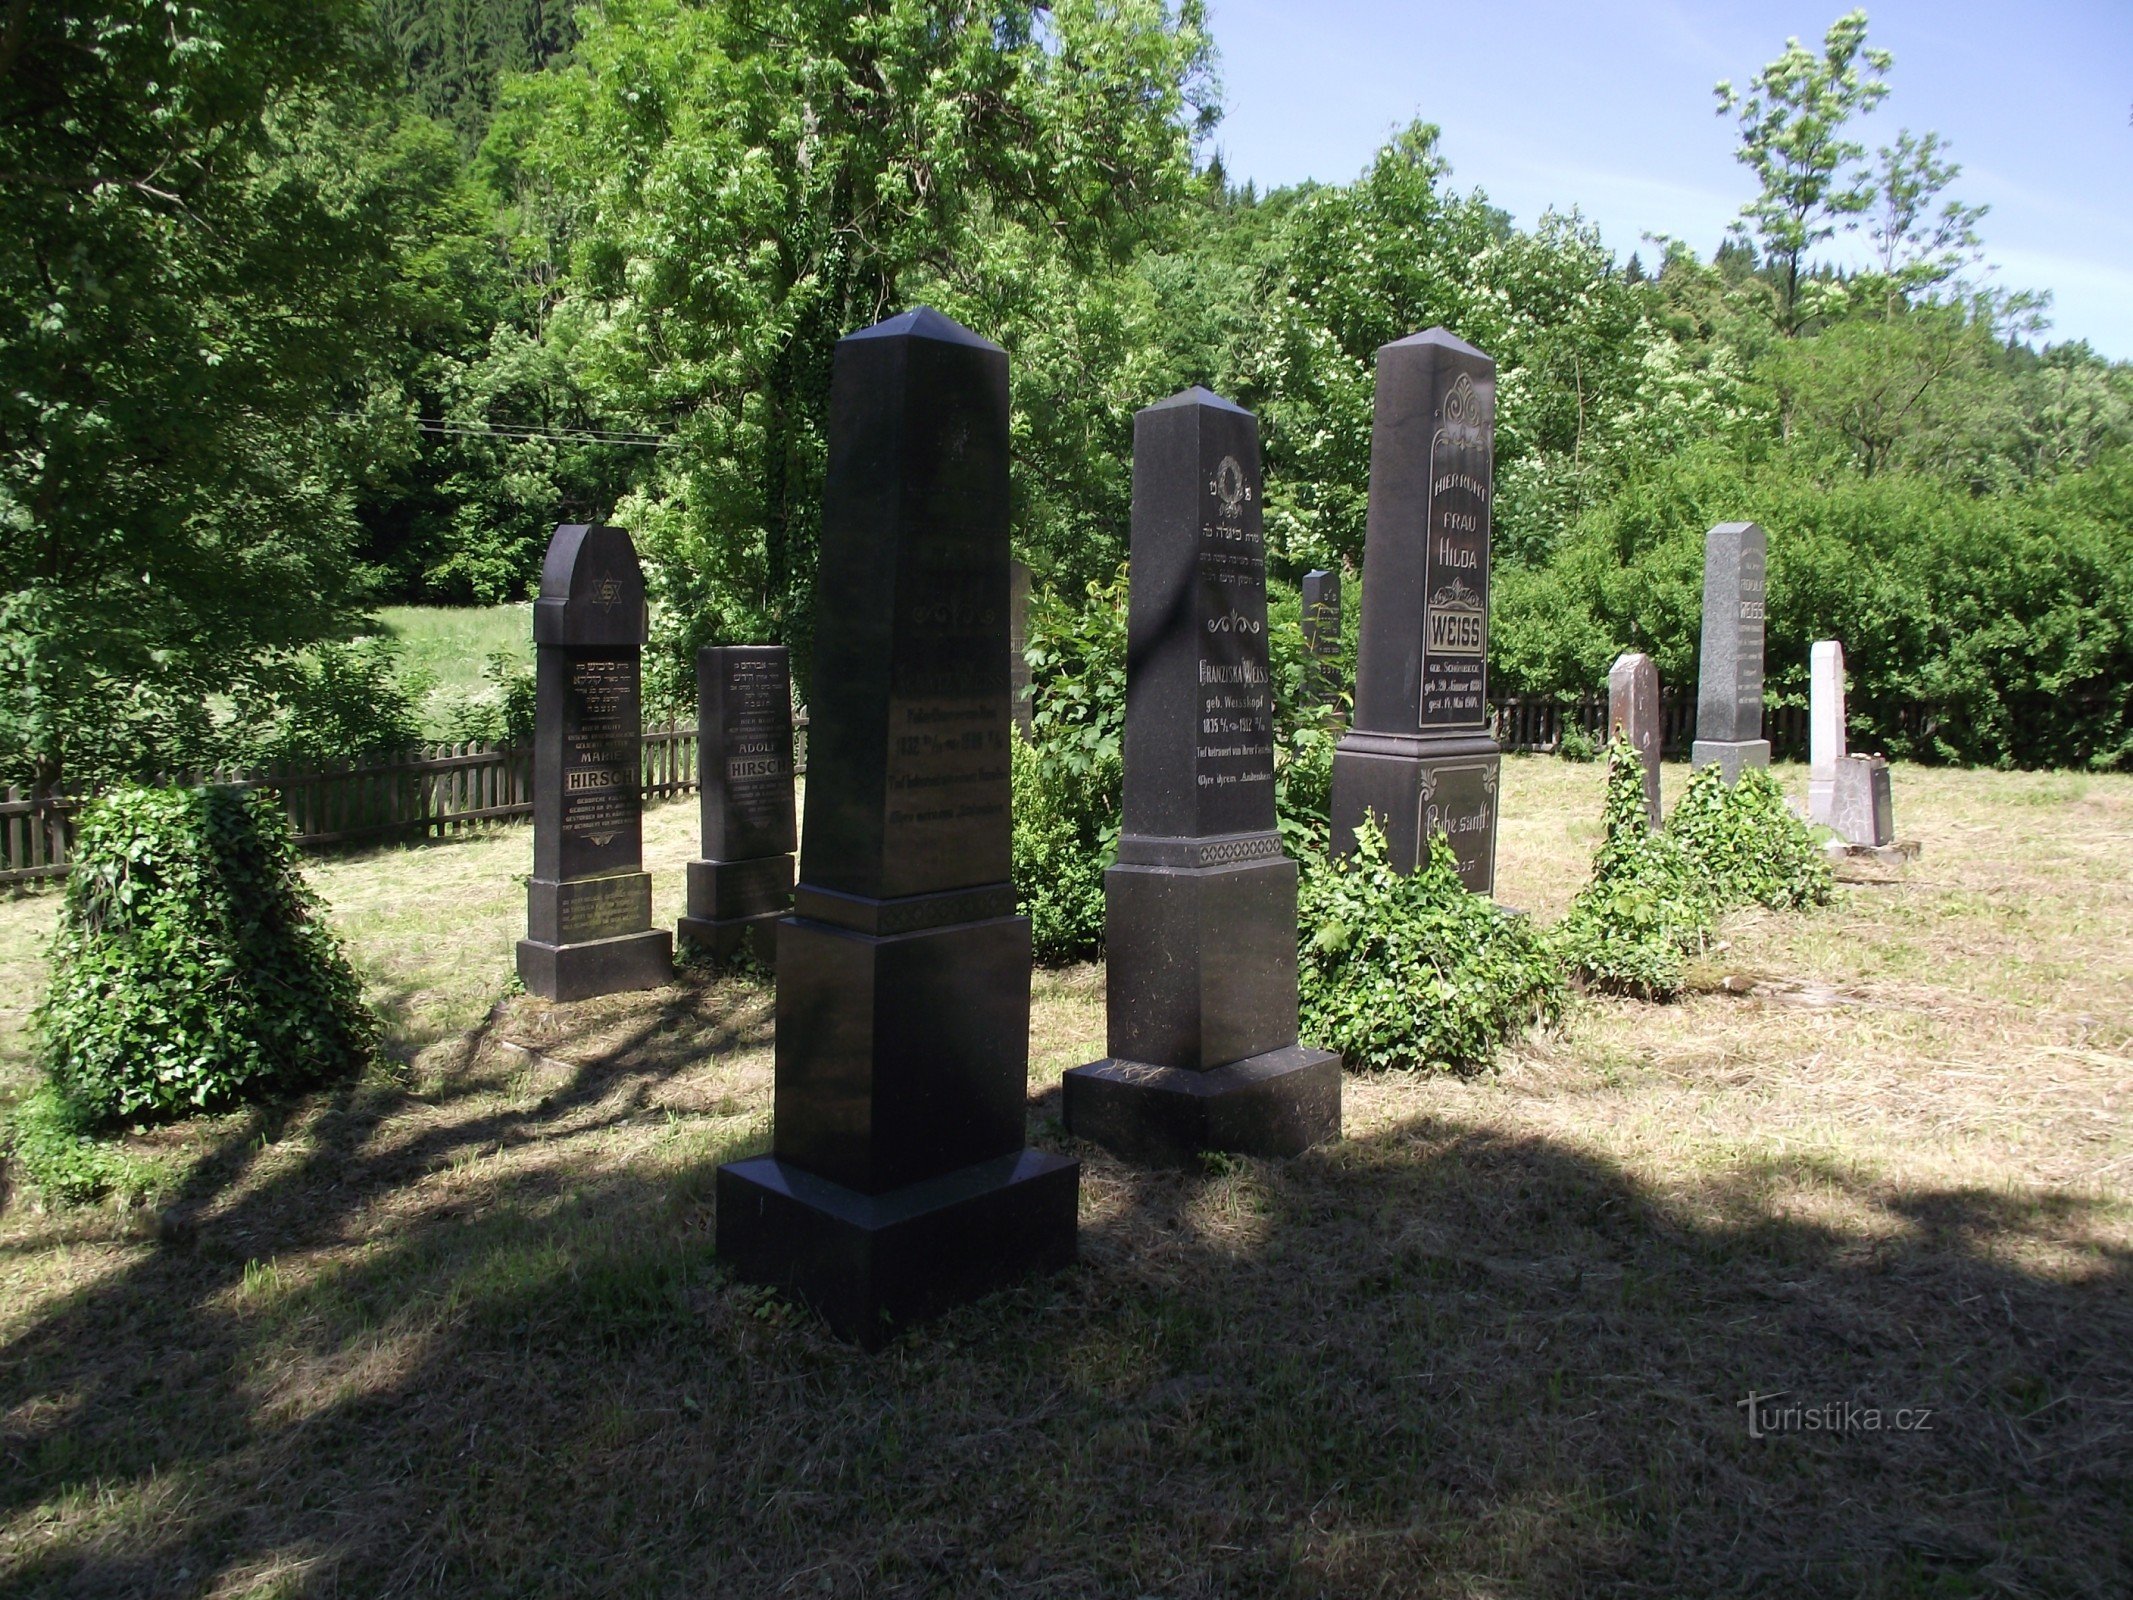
(456, 1329)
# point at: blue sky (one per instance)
(1606, 105)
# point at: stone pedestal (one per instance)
(1200, 910)
(1418, 753)
(1633, 712)
(589, 901)
(1825, 726)
(898, 1183)
(742, 884)
(1729, 697)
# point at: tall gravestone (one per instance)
(589, 903)
(1418, 754)
(1200, 910)
(899, 1182)
(742, 884)
(1633, 712)
(1825, 725)
(1729, 698)
(1018, 646)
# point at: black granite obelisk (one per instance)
(1418, 753)
(1729, 686)
(589, 902)
(742, 884)
(899, 1182)
(1200, 911)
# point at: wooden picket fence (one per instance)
(1535, 723)
(433, 790)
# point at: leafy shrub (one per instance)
(1306, 729)
(1648, 907)
(1750, 846)
(1060, 851)
(1068, 780)
(192, 968)
(51, 1141)
(1399, 971)
(1575, 744)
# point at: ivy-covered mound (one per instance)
(192, 968)
(1751, 847)
(1648, 907)
(1414, 971)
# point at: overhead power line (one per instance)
(516, 430)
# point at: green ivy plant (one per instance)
(1751, 847)
(1648, 908)
(1414, 970)
(192, 968)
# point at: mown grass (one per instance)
(457, 1328)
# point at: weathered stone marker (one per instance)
(1018, 646)
(742, 884)
(1633, 712)
(899, 1182)
(1861, 809)
(1418, 753)
(1729, 699)
(1200, 911)
(1322, 633)
(589, 903)
(1825, 726)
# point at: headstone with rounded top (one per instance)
(589, 901)
(1633, 713)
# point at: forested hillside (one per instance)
(311, 306)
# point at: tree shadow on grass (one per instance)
(478, 1345)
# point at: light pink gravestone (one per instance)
(1825, 727)
(1633, 712)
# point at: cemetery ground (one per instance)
(456, 1328)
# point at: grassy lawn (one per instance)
(456, 1329)
(450, 646)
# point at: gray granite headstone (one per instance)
(1633, 712)
(742, 883)
(1418, 754)
(1729, 698)
(1200, 909)
(1861, 808)
(589, 901)
(900, 1181)
(1322, 634)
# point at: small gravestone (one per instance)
(1633, 712)
(1729, 698)
(899, 1182)
(1200, 910)
(1322, 634)
(742, 884)
(1018, 646)
(1861, 809)
(1418, 754)
(1825, 726)
(589, 902)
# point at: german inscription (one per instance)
(601, 786)
(1455, 608)
(948, 740)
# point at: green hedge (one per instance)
(2009, 617)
